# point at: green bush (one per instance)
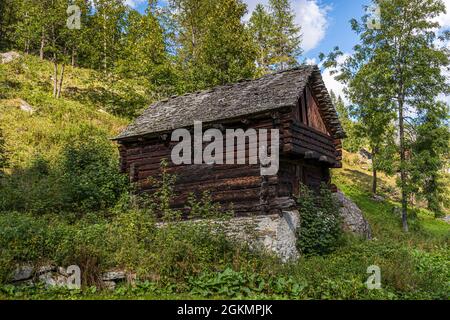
(25, 238)
(83, 178)
(89, 173)
(319, 229)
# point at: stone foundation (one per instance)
(276, 233)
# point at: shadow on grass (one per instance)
(118, 104)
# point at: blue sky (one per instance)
(325, 24)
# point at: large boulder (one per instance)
(8, 57)
(353, 218)
(23, 272)
(25, 106)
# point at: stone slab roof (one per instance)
(271, 92)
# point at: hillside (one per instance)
(55, 150)
(355, 180)
(87, 101)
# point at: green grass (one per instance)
(415, 265)
(87, 100)
(355, 182)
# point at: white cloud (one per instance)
(310, 61)
(444, 19)
(331, 83)
(309, 15)
(134, 3)
(313, 19)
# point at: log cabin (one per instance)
(296, 102)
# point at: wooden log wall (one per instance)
(238, 186)
(305, 156)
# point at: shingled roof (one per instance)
(271, 92)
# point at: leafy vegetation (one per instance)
(320, 227)
(394, 82)
(63, 202)
(199, 261)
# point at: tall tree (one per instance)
(29, 24)
(3, 154)
(145, 54)
(60, 39)
(107, 25)
(214, 46)
(353, 142)
(286, 39)
(375, 119)
(403, 62)
(261, 26)
(8, 18)
(429, 153)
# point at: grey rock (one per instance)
(53, 279)
(109, 285)
(114, 275)
(8, 57)
(24, 106)
(378, 198)
(23, 272)
(353, 218)
(365, 154)
(46, 269)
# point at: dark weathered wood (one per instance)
(308, 148)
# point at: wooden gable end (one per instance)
(308, 112)
(314, 116)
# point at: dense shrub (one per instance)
(84, 177)
(89, 173)
(199, 260)
(320, 229)
(25, 238)
(189, 247)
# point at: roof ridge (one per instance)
(246, 97)
(232, 84)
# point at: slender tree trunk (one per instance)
(105, 47)
(74, 55)
(27, 47)
(55, 76)
(374, 173)
(61, 79)
(41, 50)
(402, 165)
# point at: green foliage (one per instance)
(429, 150)
(320, 222)
(237, 285)
(89, 173)
(286, 37)
(214, 45)
(397, 71)
(26, 238)
(84, 178)
(3, 155)
(276, 35)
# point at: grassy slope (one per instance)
(354, 179)
(85, 99)
(87, 96)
